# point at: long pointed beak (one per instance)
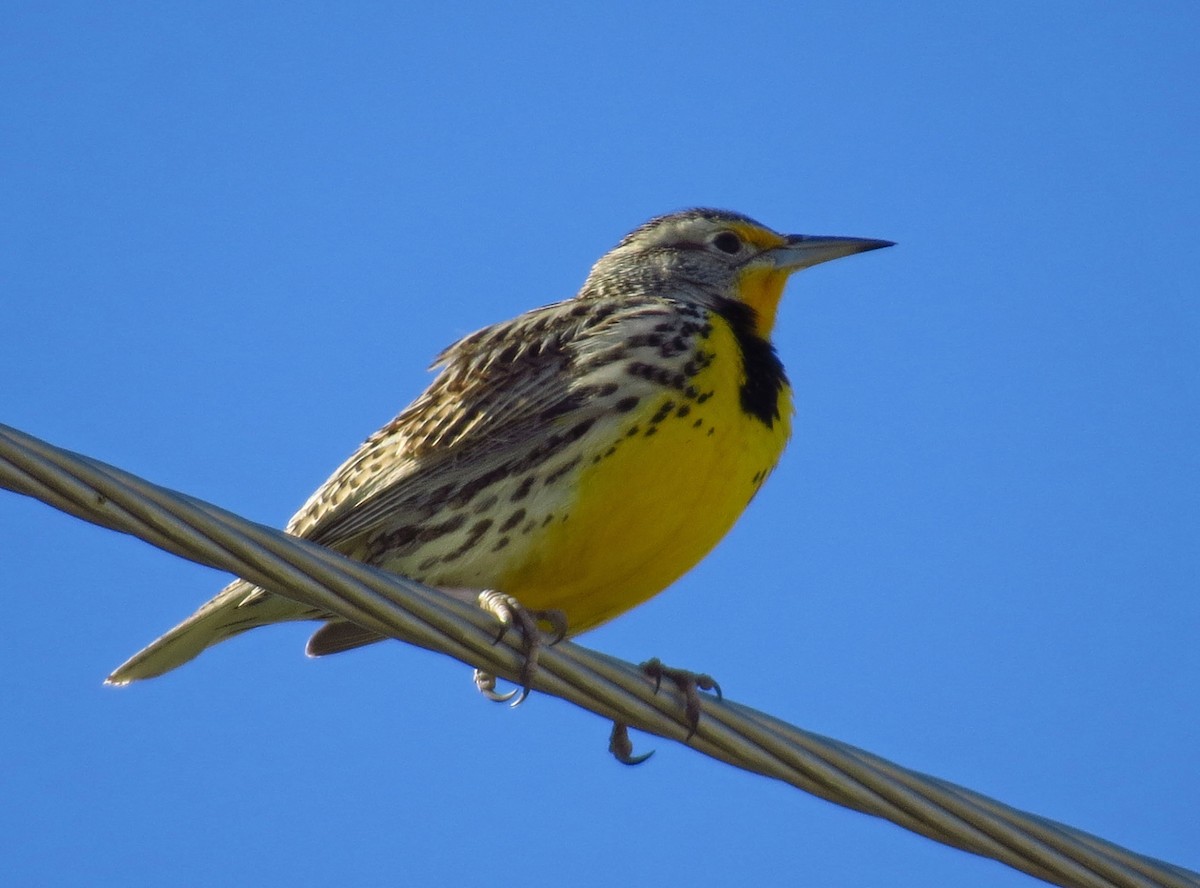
(806, 250)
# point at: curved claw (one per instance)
(621, 746)
(690, 684)
(706, 682)
(485, 683)
(654, 668)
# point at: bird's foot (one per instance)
(690, 685)
(510, 612)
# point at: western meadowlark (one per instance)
(578, 458)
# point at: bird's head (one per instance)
(699, 253)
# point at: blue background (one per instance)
(232, 239)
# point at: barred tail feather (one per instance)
(238, 607)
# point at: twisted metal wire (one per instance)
(612, 688)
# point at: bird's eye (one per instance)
(727, 242)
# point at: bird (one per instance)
(569, 463)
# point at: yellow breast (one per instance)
(656, 497)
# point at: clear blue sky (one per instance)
(232, 239)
